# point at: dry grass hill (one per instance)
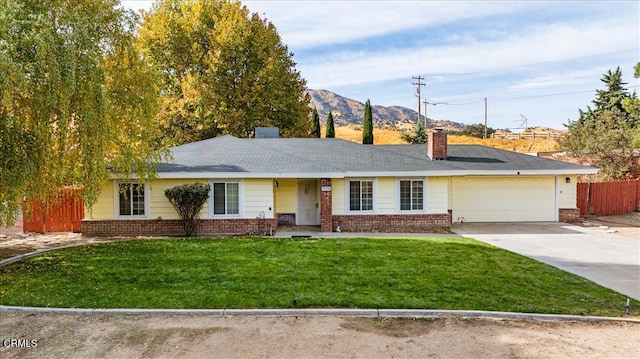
(383, 136)
(347, 111)
(390, 121)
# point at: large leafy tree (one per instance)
(367, 127)
(225, 71)
(76, 99)
(606, 134)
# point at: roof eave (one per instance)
(420, 173)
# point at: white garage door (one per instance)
(504, 199)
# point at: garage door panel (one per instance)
(503, 199)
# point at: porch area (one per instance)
(324, 203)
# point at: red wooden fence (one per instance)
(608, 198)
(61, 215)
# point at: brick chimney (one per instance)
(437, 144)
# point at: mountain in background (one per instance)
(347, 111)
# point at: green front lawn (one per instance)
(433, 273)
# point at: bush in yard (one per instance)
(188, 200)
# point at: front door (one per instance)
(308, 213)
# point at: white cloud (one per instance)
(305, 24)
(555, 80)
(548, 43)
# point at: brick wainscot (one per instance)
(174, 227)
(393, 222)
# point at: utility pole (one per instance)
(485, 118)
(426, 119)
(418, 83)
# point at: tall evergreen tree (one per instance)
(611, 97)
(315, 123)
(367, 127)
(331, 131)
(605, 135)
(632, 104)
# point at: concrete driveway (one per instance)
(609, 260)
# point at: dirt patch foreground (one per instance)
(95, 336)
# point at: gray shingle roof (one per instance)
(228, 155)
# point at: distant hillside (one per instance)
(351, 112)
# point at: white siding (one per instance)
(385, 195)
(337, 196)
(437, 192)
(160, 205)
(449, 196)
(257, 196)
(504, 199)
(567, 192)
(104, 208)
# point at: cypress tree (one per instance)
(331, 131)
(367, 128)
(315, 123)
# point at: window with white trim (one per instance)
(361, 195)
(131, 199)
(411, 195)
(226, 198)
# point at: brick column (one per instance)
(569, 215)
(326, 218)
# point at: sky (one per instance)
(534, 60)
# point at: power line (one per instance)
(549, 62)
(541, 95)
(454, 104)
(545, 95)
(519, 97)
(569, 59)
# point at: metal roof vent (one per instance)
(267, 132)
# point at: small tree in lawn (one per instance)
(315, 123)
(331, 131)
(188, 201)
(367, 127)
